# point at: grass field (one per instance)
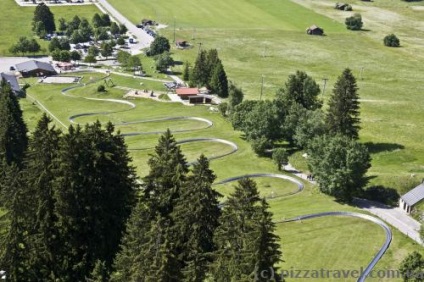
(327, 238)
(268, 37)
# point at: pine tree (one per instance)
(200, 73)
(39, 173)
(168, 169)
(13, 139)
(159, 260)
(94, 195)
(219, 82)
(128, 262)
(186, 71)
(212, 60)
(235, 96)
(43, 14)
(245, 228)
(195, 220)
(14, 251)
(343, 111)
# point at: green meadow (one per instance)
(268, 38)
(256, 38)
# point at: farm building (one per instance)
(181, 44)
(413, 197)
(314, 30)
(35, 68)
(185, 93)
(13, 82)
(343, 7)
(147, 22)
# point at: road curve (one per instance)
(143, 39)
(299, 184)
(375, 220)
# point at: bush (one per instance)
(354, 22)
(260, 146)
(223, 108)
(391, 41)
(101, 88)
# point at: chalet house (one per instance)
(314, 30)
(35, 68)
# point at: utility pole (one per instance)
(200, 46)
(262, 87)
(174, 29)
(362, 70)
(325, 84)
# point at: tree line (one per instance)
(74, 210)
(335, 158)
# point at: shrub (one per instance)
(260, 145)
(391, 41)
(354, 22)
(101, 88)
(223, 108)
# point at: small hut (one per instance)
(314, 30)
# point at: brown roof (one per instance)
(187, 91)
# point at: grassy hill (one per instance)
(268, 37)
(256, 38)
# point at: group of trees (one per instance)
(43, 20)
(179, 232)
(335, 158)
(129, 62)
(78, 29)
(159, 50)
(25, 45)
(208, 71)
(74, 210)
(66, 196)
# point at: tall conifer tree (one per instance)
(39, 173)
(219, 82)
(245, 227)
(13, 139)
(14, 226)
(195, 220)
(343, 112)
(94, 195)
(168, 169)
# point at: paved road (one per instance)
(143, 39)
(395, 216)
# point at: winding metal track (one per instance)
(372, 219)
(209, 123)
(299, 184)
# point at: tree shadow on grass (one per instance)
(374, 148)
